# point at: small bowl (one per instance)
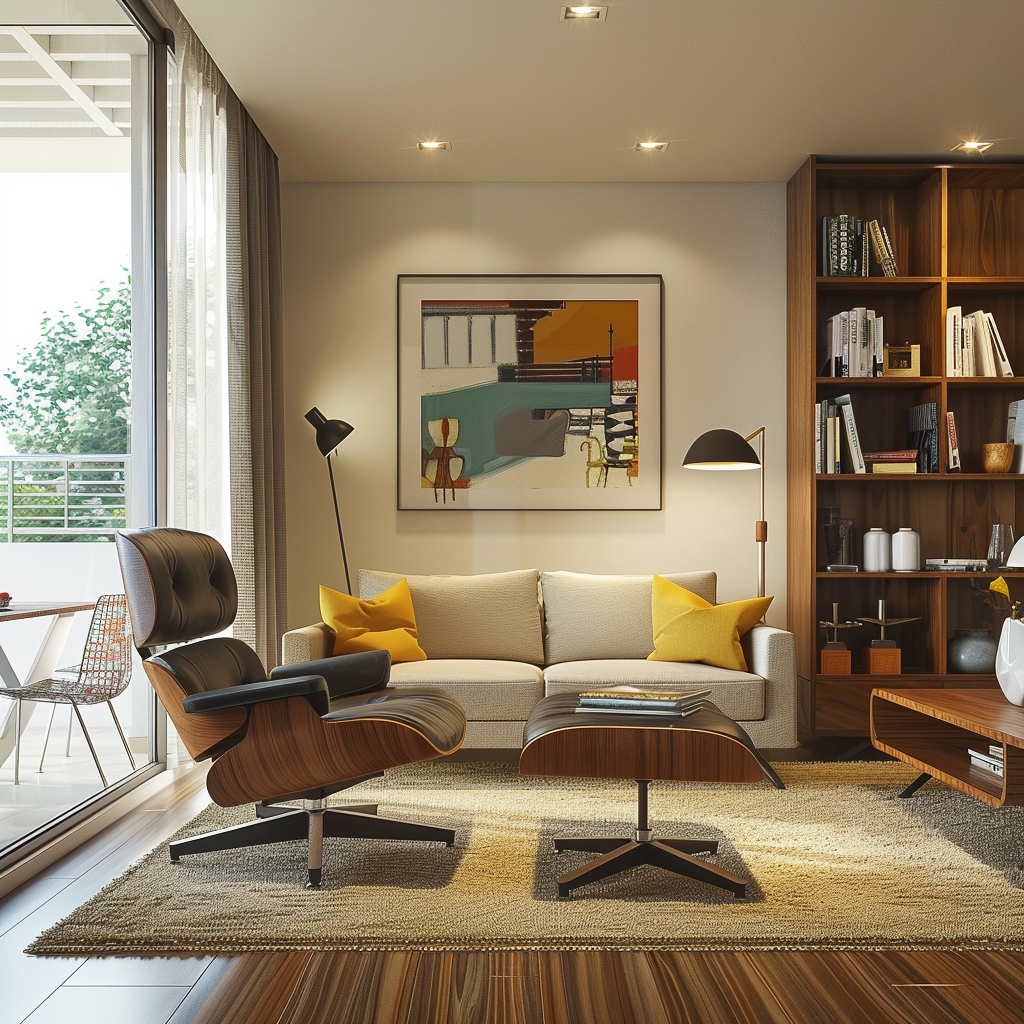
(997, 457)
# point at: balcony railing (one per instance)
(62, 497)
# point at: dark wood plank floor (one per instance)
(453, 988)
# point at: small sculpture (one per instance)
(882, 657)
(835, 655)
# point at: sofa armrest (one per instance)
(310, 643)
(771, 654)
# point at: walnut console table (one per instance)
(933, 729)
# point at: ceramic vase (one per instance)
(877, 550)
(906, 550)
(971, 651)
(1010, 661)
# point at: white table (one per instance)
(43, 666)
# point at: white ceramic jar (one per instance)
(877, 550)
(906, 550)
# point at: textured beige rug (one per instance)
(836, 860)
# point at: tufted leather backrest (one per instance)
(179, 585)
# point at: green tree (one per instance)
(72, 388)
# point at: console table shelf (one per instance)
(934, 729)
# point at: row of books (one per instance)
(627, 700)
(853, 344)
(991, 760)
(852, 248)
(837, 446)
(973, 345)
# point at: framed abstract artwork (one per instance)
(529, 392)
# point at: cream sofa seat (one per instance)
(499, 642)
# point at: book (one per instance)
(852, 439)
(984, 759)
(882, 249)
(659, 712)
(894, 467)
(953, 564)
(878, 347)
(994, 768)
(923, 431)
(889, 267)
(1015, 434)
(954, 367)
(903, 455)
(1002, 361)
(984, 352)
(628, 697)
(952, 448)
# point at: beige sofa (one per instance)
(499, 642)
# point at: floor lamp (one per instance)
(727, 450)
(329, 434)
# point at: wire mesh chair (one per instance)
(104, 673)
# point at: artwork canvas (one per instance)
(521, 392)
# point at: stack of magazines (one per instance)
(991, 760)
(625, 700)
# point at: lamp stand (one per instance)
(761, 526)
(341, 536)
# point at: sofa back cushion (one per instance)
(589, 617)
(491, 615)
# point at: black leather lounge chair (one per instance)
(308, 731)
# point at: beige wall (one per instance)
(721, 251)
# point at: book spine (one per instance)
(852, 438)
(833, 246)
(825, 247)
(817, 437)
(889, 266)
(845, 245)
(953, 449)
(844, 337)
(878, 346)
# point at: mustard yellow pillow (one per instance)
(688, 628)
(387, 623)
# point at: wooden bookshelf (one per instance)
(958, 234)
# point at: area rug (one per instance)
(836, 860)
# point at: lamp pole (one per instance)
(761, 526)
(341, 536)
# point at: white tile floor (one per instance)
(65, 781)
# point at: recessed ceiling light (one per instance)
(433, 145)
(651, 147)
(971, 147)
(589, 11)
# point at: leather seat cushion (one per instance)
(740, 695)
(488, 690)
(436, 715)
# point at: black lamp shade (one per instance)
(721, 449)
(329, 433)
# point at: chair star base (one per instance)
(284, 824)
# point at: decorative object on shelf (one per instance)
(835, 655)
(997, 457)
(1000, 546)
(901, 361)
(5, 600)
(838, 534)
(330, 434)
(971, 652)
(877, 550)
(529, 366)
(882, 657)
(1010, 661)
(906, 550)
(726, 450)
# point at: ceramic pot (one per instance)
(1010, 661)
(971, 651)
(906, 550)
(877, 550)
(997, 458)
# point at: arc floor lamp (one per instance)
(726, 450)
(330, 434)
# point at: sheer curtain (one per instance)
(225, 401)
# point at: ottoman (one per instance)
(706, 746)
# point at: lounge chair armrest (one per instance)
(312, 687)
(346, 674)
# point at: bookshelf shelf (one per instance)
(957, 231)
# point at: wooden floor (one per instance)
(450, 988)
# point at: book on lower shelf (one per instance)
(1015, 434)
(987, 760)
(901, 461)
(923, 434)
(952, 447)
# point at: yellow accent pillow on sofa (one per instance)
(387, 623)
(688, 628)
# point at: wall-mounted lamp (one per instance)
(726, 450)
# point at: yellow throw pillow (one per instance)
(688, 628)
(387, 623)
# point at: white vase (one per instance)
(906, 550)
(877, 550)
(1010, 661)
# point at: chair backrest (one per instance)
(179, 584)
(106, 667)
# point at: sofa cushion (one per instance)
(688, 628)
(588, 616)
(491, 615)
(739, 694)
(495, 690)
(385, 623)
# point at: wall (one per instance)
(721, 251)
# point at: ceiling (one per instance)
(743, 89)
